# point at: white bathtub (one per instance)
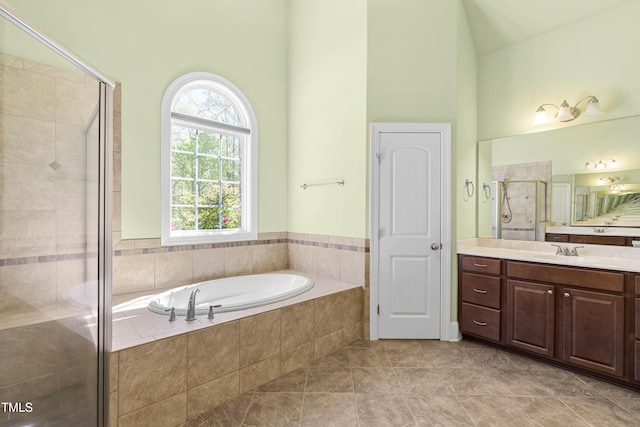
(232, 293)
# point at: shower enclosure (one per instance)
(54, 233)
(519, 209)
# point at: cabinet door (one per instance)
(594, 330)
(530, 316)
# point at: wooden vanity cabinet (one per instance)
(531, 316)
(480, 296)
(598, 240)
(593, 330)
(589, 239)
(636, 341)
(589, 319)
(571, 315)
(555, 237)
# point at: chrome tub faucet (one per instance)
(191, 307)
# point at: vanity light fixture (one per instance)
(613, 181)
(566, 113)
(608, 180)
(600, 165)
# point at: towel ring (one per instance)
(486, 189)
(468, 183)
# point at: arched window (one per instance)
(209, 162)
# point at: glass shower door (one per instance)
(53, 307)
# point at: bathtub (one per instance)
(231, 293)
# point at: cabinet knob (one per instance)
(550, 292)
(566, 295)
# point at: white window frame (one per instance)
(249, 163)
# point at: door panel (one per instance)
(594, 330)
(409, 218)
(530, 316)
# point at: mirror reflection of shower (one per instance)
(506, 213)
(519, 209)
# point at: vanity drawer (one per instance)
(552, 237)
(481, 265)
(584, 278)
(598, 240)
(481, 321)
(638, 285)
(481, 290)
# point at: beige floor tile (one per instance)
(274, 409)
(428, 383)
(384, 411)
(328, 379)
(368, 357)
(375, 380)
(438, 411)
(329, 409)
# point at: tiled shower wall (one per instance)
(45, 115)
(522, 197)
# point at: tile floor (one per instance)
(428, 383)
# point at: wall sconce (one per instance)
(608, 180)
(599, 166)
(566, 113)
(613, 181)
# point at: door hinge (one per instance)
(378, 309)
(378, 156)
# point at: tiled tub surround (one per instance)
(144, 264)
(170, 378)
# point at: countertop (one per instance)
(595, 230)
(617, 258)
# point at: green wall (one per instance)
(316, 73)
(327, 117)
(593, 56)
(145, 45)
(422, 68)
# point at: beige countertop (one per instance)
(618, 258)
(596, 230)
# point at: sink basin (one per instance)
(564, 258)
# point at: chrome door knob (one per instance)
(566, 295)
(436, 246)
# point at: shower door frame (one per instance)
(105, 164)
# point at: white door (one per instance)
(561, 204)
(408, 239)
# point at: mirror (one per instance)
(577, 194)
(608, 200)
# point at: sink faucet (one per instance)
(191, 307)
(560, 250)
(565, 251)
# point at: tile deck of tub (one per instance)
(134, 324)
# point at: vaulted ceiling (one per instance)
(499, 23)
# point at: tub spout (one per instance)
(191, 307)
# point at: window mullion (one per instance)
(195, 182)
(220, 185)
